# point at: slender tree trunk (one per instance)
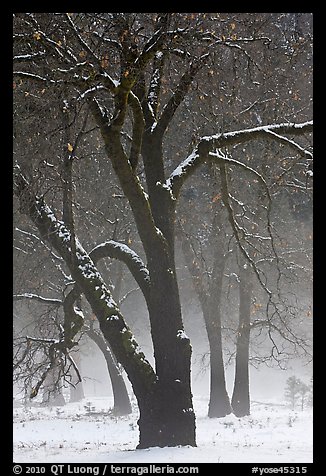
(122, 405)
(241, 393)
(77, 392)
(210, 300)
(219, 402)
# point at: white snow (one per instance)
(181, 168)
(128, 251)
(181, 334)
(272, 433)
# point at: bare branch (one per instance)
(82, 43)
(208, 144)
(36, 297)
(137, 129)
(238, 137)
(179, 94)
(34, 77)
(284, 140)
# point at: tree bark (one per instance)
(121, 399)
(168, 417)
(241, 392)
(219, 402)
(171, 409)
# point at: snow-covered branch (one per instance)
(208, 144)
(122, 252)
(34, 77)
(237, 137)
(284, 140)
(36, 297)
(28, 57)
(80, 40)
(155, 82)
(183, 171)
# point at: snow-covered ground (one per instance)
(71, 434)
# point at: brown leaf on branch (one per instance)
(216, 197)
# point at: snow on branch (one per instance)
(84, 271)
(284, 140)
(80, 40)
(28, 57)
(34, 77)
(208, 144)
(185, 169)
(122, 252)
(238, 137)
(155, 82)
(36, 297)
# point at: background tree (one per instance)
(292, 390)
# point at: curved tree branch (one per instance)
(122, 252)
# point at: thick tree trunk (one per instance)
(165, 419)
(164, 398)
(121, 405)
(168, 418)
(241, 393)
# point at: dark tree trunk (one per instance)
(241, 393)
(122, 405)
(210, 300)
(219, 402)
(168, 418)
(165, 419)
